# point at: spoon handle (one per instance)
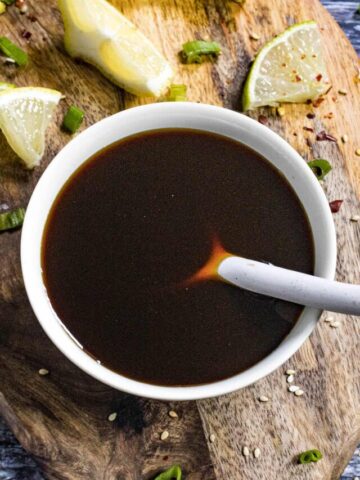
(292, 286)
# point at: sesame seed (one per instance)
(173, 414)
(299, 392)
(342, 91)
(355, 218)
(212, 438)
(293, 388)
(344, 138)
(357, 152)
(280, 111)
(164, 435)
(112, 417)
(290, 379)
(290, 372)
(43, 372)
(246, 451)
(263, 398)
(329, 319)
(254, 36)
(335, 324)
(257, 452)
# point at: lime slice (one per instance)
(289, 68)
(25, 114)
(99, 34)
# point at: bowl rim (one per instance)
(31, 246)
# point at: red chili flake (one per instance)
(308, 129)
(32, 18)
(314, 55)
(321, 136)
(318, 77)
(295, 134)
(329, 115)
(283, 64)
(335, 205)
(311, 115)
(25, 34)
(262, 119)
(316, 103)
(298, 78)
(308, 101)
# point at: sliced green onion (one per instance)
(173, 473)
(73, 119)
(6, 86)
(358, 9)
(310, 456)
(177, 93)
(12, 219)
(13, 51)
(8, 2)
(198, 51)
(320, 167)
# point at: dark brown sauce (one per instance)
(136, 220)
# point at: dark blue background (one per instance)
(15, 464)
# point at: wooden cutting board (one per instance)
(62, 418)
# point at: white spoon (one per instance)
(289, 285)
(277, 282)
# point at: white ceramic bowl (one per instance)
(174, 115)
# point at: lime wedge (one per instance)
(99, 34)
(289, 68)
(25, 114)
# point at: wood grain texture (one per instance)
(62, 418)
